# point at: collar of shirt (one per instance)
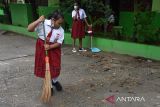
(49, 23)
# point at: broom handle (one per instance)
(44, 33)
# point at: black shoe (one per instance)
(58, 86)
(51, 91)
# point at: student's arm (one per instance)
(55, 45)
(85, 18)
(58, 42)
(74, 14)
(33, 25)
(74, 18)
(86, 22)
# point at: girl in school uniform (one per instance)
(111, 21)
(78, 26)
(54, 38)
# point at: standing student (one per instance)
(54, 38)
(111, 21)
(78, 26)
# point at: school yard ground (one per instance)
(88, 79)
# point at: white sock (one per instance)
(55, 80)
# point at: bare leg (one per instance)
(80, 42)
(80, 45)
(74, 42)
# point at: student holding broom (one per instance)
(78, 26)
(54, 37)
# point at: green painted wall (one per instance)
(156, 5)
(1, 12)
(147, 51)
(1, 15)
(53, 3)
(121, 47)
(156, 20)
(127, 21)
(17, 29)
(21, 14)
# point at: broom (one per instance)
(46, 91)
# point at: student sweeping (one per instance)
(78, 26)
(54, 37)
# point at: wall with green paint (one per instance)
(53, 3)
(1, 11)
(21, 14)
(127, 21)
(156, 20)
(1, 15)
(17, 29)
(134, 49)
(156, 5)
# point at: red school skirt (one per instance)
(78, 29)
(54, 60)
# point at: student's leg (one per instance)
(80, 43)
(54, 80)
(56, 84)
(74, 44)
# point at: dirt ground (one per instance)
(87, 78)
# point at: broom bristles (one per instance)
(46, 91)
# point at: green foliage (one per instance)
(66, 6)
(97, 11)
(145, 31)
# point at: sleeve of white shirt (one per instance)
(73, 13)
(61, 38)
(39, 29)
(84, 14)
(40, 26)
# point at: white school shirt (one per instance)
(56, 33)
(111, 19)
(82, 14)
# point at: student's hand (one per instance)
(41, 18)
(46, 47)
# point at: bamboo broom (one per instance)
(46, 91)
